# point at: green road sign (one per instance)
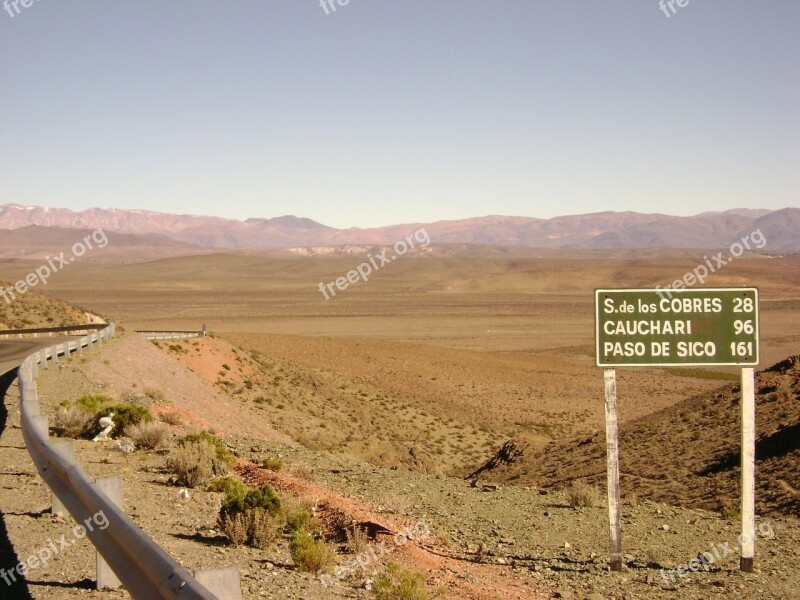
(646, 327)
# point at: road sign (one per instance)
(651, 328)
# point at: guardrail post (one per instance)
(90, 340)
(66, 349)
(65, 448)
(225, 583)
(106, 578)
(54, 354)
(79, 347)
(43, 358)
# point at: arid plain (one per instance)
(487, 346)
(397, 389)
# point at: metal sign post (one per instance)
(669, 328)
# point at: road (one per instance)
(13, 352)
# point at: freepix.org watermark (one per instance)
(53, 265)
(375, 263)
(714, 264)
(375, 551)
(53, 548)
(12, 7)
(717, 554)
(664, 4)
(329, 6)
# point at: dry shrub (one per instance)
(155, 394)
(192, 463)
(581, 494)
(235, 527)
(152, 436)
(70, 421)
(357, 539)
(303, 472)
(254, 527)
(264, 528)
(172, 417)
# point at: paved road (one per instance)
(13, 352)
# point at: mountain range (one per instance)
(602, 230)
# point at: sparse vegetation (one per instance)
(580, 494)
(150, 435)
(250, 516)
(192, 463)
(155, 394)
(171, 417)
(228, 486)
(397, 583)
(221, 451)
(273, 464)
(356, 540)
(124, 416)
(310, 554)
(91, 403)
(70, 421)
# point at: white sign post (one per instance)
(612, 459)
(748, 470)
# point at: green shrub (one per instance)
(228, 485)
(273, 464)
(91, 403)
(298, 518)
(264, 498)
(249, 516)
(311, 555)
(223, 453)
(397, 583)
(125, 416)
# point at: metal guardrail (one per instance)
(51, 331)
(159, 336)
(144, 568)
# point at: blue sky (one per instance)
(408, 111)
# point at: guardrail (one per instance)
(141, 565)
(164, 336)
(51, 331)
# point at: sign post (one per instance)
(748, 470)
(612, 459)
(670, 328)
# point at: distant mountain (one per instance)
(604, 230)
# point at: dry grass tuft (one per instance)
(151, 436)
(581, 494)
(70, 421)
(172, 417)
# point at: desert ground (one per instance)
(396, 390)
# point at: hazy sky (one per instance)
(385, 112)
